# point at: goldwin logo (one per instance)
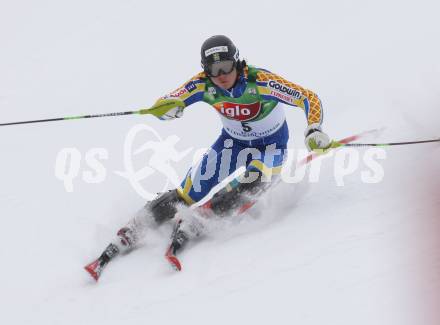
(284, 89)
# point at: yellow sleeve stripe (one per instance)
(183, 192)
(314, 113)
(267, 171)
(182, 93)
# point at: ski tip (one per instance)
(174, 262)
(92, 270)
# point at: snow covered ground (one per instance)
(313, 253)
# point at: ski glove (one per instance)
(166, 109)
(315, 138)
(176, 112)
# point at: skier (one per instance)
(254, 135)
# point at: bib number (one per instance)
(246, 127)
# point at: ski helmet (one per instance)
(217, 49)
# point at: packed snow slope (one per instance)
(311, 253)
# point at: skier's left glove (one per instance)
(166, 109)
(315, 138)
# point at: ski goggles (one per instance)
(218, 68)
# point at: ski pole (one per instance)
(157, 110)
(335, 144)
(388, 144)
(348, 142)
(67, 118)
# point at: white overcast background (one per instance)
(311, 254)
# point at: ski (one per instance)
(172, 259)
(96, 267)
(178, 240)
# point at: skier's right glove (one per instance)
(166, 109)
(315, 138)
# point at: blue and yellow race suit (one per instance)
(254, 133)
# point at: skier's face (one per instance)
(225, 81)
